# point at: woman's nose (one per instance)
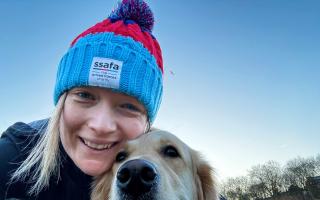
(103, 121)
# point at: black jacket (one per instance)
(15, 143)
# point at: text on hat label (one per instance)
(105, 72)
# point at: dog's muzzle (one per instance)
(137, 177)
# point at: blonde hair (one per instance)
(43, 160)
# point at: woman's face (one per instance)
(95, 123)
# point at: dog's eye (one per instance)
(170, 151)
(121, 156)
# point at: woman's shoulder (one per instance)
(19, 132)
(15, 143)
(19, 138)
(23, 129)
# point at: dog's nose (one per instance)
(136, 177)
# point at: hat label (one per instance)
(105, 72)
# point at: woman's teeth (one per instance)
(98, 146)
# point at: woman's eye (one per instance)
(85, 95)
(130, 107)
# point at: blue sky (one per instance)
(241, 77)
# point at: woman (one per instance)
(108, 90)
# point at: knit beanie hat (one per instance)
(119, 53)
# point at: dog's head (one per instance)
(157, 166)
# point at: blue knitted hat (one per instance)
(119, 53)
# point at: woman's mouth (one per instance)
(98, 147)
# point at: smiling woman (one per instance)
(108, 91)
(85, 130)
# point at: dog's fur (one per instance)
(181, 176)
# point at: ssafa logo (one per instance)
(106, 65)
(105, 72)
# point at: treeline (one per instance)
(271, 179)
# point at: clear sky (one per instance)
(242, 78)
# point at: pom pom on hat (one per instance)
(135, 10)
(118, 53)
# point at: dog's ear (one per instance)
(101, 187)
(204, 178)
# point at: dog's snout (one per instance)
(136, 177)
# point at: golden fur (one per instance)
(185, 176)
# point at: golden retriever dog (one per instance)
(157, 166)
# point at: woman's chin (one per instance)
(93, 167)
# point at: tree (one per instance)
(258, 191)
(235, 188)
(298, 169)
(317, 162)
(268, 175)
(270, 179)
